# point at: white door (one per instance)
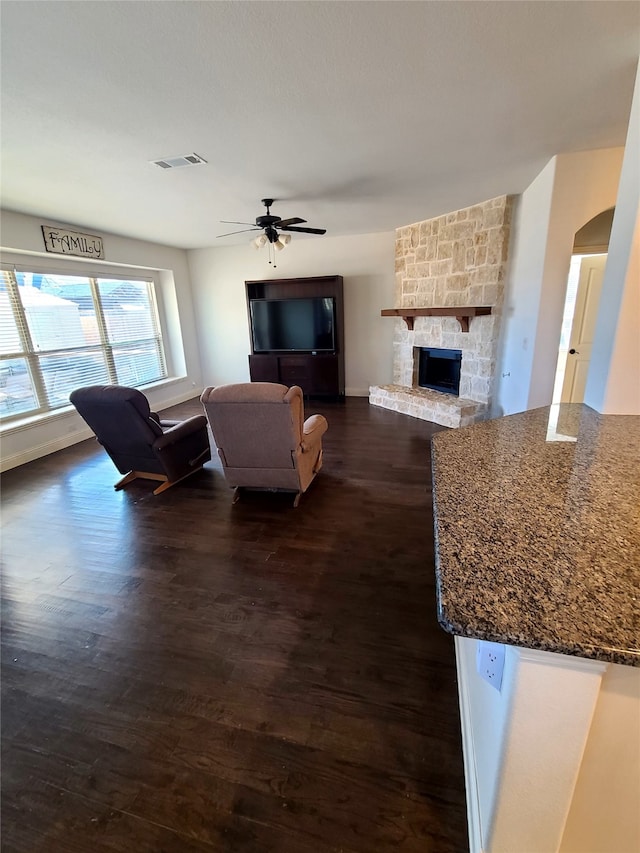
(583, 327)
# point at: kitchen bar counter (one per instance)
(537, 521)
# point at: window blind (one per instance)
(61, 332)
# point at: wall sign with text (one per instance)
(64, 242)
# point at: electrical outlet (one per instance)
(490, 662)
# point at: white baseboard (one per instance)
(468, 752)
(39, 450)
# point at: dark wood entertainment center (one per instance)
(317, 373)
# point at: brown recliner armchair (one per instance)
(138, 442)
(263, 440)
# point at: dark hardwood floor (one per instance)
(184, 674)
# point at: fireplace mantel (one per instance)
(462, 313)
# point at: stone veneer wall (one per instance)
(458, 259)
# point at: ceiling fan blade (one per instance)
(285, 223)
(305, 230)
(233, 222)
(242, 231)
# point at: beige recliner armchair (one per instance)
(263, 440)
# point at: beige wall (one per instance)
(605, 810)
(613, 383)
(570, 190)
(622, 390)
(366, 263)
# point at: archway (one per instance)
(582, 299)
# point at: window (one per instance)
(60, 332)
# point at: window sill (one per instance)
(29, 421)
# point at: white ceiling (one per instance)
(357, 116)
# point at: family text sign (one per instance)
(64, 242)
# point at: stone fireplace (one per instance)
(450, 274)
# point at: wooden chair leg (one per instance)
(128, 478)
(236, 495)
(164, 481)
(169, 483)
(296, 500)
(139, 475)
(164, 486)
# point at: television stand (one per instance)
(319, 374)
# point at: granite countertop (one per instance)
(537, 524)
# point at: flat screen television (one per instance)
(293, 325)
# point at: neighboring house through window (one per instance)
(60, 332)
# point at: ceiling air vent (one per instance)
(174, 162)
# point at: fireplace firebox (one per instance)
(439, 369)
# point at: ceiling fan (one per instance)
(271, 226)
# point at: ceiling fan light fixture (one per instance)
(269, 225)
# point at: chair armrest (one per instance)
(157, 421)
(313, 429)
(179, 431)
